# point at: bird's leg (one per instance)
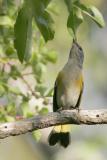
(60, 109)
(78, 109)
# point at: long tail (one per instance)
(60, 134)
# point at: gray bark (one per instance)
(87, 117)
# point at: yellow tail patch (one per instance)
(62, 128)
(65, 128)
(57, 129)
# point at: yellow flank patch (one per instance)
(79, 82)
(57, 129)
(65, 128)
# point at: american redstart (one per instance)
(67, 92)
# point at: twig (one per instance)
(35, 94)
(87, 117)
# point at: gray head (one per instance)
(76, 53)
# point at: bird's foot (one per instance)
(78, 109)
(60, 109)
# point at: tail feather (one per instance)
(64, 139)
(53, 138)
(62, 136)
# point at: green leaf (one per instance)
(74, 20)
(2, 90)
(36, 135)
(51, 56)
(14, 72)
(43, 111)
(41, 88)
(69, 4)
(43, 18)
(44, 23)
(23, 33)
(26, 110)
(9, 118)
(41, 43)
(50, 92)
(6, 20)
(9, 51)
(11, 109)
(93, 13)
(2, 117)
(45, 2)
(39, 6)
(39, 69)
(53, 8)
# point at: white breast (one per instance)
(69, 98)
(67, 91)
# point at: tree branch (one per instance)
(88, 117)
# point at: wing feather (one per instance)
(79, 99)
(55, 105)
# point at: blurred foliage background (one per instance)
(25, 89)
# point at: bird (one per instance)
(68, 91)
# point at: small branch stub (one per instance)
(87, 117)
